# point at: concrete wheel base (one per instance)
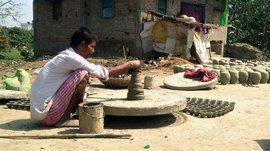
(155, 103)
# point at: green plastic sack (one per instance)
(21, 81)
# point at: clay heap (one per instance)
(135, 88)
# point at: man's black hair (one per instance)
(82, 35)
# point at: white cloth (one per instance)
(54, 74)
(190, 36)
(167, 47)
(146, 36)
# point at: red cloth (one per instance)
(203, 75)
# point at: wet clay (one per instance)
(135, 87)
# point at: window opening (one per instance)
(57, 9)
(162, 7)
(107, 8)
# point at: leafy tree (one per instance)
(4, 40)
(9, 8)
(22, 40)
(250, 21)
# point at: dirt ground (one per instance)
(245, 128)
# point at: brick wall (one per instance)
(50, 35)
(115, 32)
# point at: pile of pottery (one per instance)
(19, 105)
(207, 108)
(234, 71)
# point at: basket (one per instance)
(117, 82)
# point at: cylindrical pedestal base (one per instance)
(91, 117)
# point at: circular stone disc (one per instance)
(10, 94)
(178, 82)
(155, 103)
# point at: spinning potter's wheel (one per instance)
(137, 102)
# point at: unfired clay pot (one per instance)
(224, 77)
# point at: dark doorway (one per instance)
(193, 10)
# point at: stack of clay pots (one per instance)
(207, 108)
(234, 71)
(19, 105)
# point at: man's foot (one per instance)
(69, 123)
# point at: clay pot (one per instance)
(178, 68)
(198, 66)
(250, 65)
(222, 68)
(255, 77)
(233, 64)
(189, 68)
(149, 82)
(243, 76)
(216, 66)
(224, 77)
(207, 66)
(215, 61)
(238, 61)
(223, 62)
(227, 67)
(9, 105)
(91, 117)
(234, 76)
(264, 76)
(269, 74)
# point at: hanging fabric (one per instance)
(224, 12)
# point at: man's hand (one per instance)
(135, 65)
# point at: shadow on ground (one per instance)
(264, 143)
(204, 89)
(22, 125)
(145, 122)
(110, 122)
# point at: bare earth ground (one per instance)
(245, 128)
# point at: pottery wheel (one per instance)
(179, 82)
(155, 103)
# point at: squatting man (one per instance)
(61, 84)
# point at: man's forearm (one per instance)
(120, 69)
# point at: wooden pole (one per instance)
(67, 136)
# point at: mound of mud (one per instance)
(242, 51)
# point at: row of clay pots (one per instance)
(234, 62)
(233, 74)
(251, 72)
(206, 108)
(19, 105)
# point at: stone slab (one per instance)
(179, 82)
(10, 94)
(155, 103)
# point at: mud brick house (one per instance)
(117, 23)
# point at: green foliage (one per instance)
(12, 54)
(250, 20)
(22, 40)
(4, 39)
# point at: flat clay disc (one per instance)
(178, 82)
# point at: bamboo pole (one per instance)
(67, 136)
